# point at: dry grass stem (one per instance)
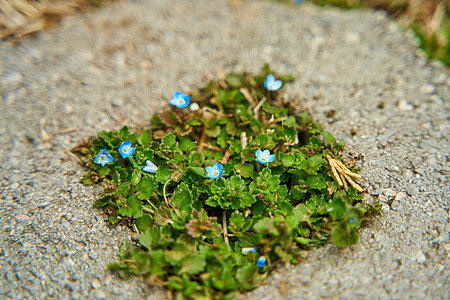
(247, 96)
(343, 175)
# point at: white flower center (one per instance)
(180, 101)
(215, 173)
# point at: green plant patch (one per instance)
(225, 185)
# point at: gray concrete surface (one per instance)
(119, 65)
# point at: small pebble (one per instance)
(420, 257)
(404, 105)
(428, 89)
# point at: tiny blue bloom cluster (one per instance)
(103, 158)
(261, 262)
(150, 167)
(271, 84)
(180, 100)
(126, 150)
(352, 219)
(264, 157)
(215, 171)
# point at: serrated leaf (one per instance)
(245, 170)
(87, 179)
(133, 208)
(288, 160)
(290, 122)
(245, 273)
(182, 198)
(192, 263)
(145, 188)
(337, 207)
(163, 173)
(145, 137)
(169, 141)
(103, 171)
(150, 237)
(144, 222)
(199, 171)
(316, 182)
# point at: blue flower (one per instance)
(271, 84)
(298, 1)
(352, 219)
(264, 157)
(149, 167)
(180, 100)
(125, 149)
(215, 171)
(103, 158)
(261, 262)
(245, 251)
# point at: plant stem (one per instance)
(225, 228)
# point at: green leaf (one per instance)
(87, 179)
(145, 137)
(182, 198)
(199, 171)
(145, 188)
(342, 235)
(213, 132)
(316, 182)
(150, 238)
(245, 170)
(144, 222)
(290, 122)
(337, 206)
(103, 171)
(135, 177)
(133, 208)
(192, 263)
(246, 272)
(163, 173)
(301, 212)
(288, 160)
(102, 202)
(169, 141)
(328, 137)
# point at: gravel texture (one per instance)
(119, 65)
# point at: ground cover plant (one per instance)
(226, 184)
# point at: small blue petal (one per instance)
(352, 219)
(126, 150)
(245, 251)
(276, 85)
(261, 262)
(103, 158)
(264, 157)
(271, 84)
(180, 100)
(215, 171)
(149, 167)
(177, 95)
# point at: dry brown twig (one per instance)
(343, 175)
